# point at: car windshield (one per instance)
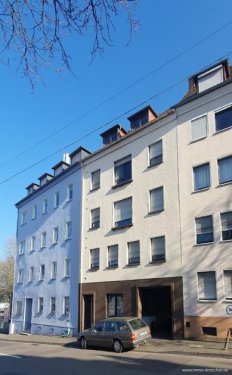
(136, 324)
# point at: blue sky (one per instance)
(167, 28)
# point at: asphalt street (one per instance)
(41, 359)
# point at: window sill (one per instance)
(225, 241)
(158, 261)
(154, 165)
(203, 244)
(122, 227)
(97, 188)
(222, 131)
(133, 265)
(68, 239)
(111, 267)
(224, 184)
(155, 212)
(198, 139)
(21, 254)
(31, 251)
(200, 190)
(228, 300)
(94, 228)
(122, 183)
(94, 269)
(207, 301)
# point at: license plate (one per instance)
(144, 333)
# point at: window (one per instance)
(122, 170)
(55, 235)
(113, 256)
(20, 275)
(67, 267)
(99, 327)
(207, 286)
(95, 218)
(199, 128)
(45, 206)
(31, 274)
(40, 305)
(56, 199)
(157, 199)
(210, 78)
(123, 213)
(33, 242)
(158, 249)
(22, 246)
(54, 270)
(43, 239)
(66, 306)
(225, 170)
(23, 218)
(53, 305)
(228, 284)
(114, 305)
(70, 192)
(68, 230)
(155, 153)
(204, 229)
(223, 119)
(201, 177)
(34, 212)
(95, 180)
(94, 258)
(226, 221)
(109, 326)
(42, 272)
(133, 253)
(19, 307)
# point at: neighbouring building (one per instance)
(152, 213)
(47, 272)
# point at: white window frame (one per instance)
(98, 184)
(20, 275)
(22, 247)
(69, 192)
(159, 157)
(204, 134)
(228, 227)
(118, 164)
(161, 208)
(66, 305)
(52, 305)
(23, 218)
(56, 199)
(195, 167)
(118, 214)
(55, 235)
(45, 206)
(68, 230)
(40, 305)
(95, 224)
(201, 293)
(112, 263)
(156, 255)
(196, 231)
(67, 267)
(33, 243)
(228, 293)
(31, 274)
(34, 212)
(219, 172)
(222, 109)
(43, 239)
(42, 274)
(130, 245)
(19, 308)
(94, 265)
(54, 271)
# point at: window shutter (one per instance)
(199, 128)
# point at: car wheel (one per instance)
(117, 346)
(83, 343)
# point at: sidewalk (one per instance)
(183, 347)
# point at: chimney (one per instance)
(113, 134)
(142, 117)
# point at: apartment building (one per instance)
(157, 216)
(142, 226)
(47, 272)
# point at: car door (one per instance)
(108, 333)
(95, 338)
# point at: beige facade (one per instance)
(148, 286)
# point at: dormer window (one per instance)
(113, 134)
(142, 117)
(210, 78)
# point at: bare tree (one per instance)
(35, 31)
(7, 271)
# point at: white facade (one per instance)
(48, 260)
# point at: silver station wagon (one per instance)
(117, 333)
